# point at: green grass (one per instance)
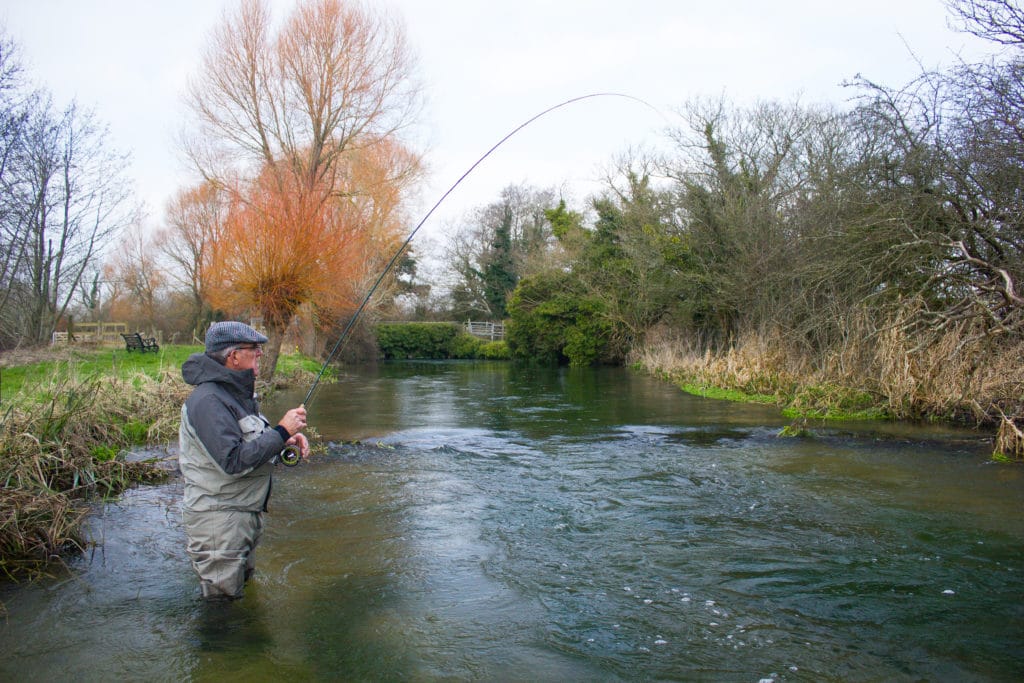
(89, 362)
(295, 363)
(23, 382)
(820, 403)
(726, 394)
(838, 415)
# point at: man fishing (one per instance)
(227, 452)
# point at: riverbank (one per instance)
(964, 384)
(70, 417)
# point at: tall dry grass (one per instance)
(753, 366)
(60, 446)
(890, 372)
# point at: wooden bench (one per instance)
(135, 342)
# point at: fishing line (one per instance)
(394, 259)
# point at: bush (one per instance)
(435, 341)
(552, 323)
(465, 345)
(403, 341)
(493, 350)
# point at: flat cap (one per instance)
(229, 333)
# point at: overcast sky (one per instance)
(488, 65)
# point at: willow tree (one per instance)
(331, 248)
(300, 127)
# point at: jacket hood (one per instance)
(200, 368)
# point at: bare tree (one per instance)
(62, 197)
(513, 230)
(1001, 21)
(336, 75)
(13, 226)
(72, 199)
(134, 264)
(195, 220)
(949, 163)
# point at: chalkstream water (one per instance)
(479, 522)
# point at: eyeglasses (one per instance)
(255, 348)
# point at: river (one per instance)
(481, 522)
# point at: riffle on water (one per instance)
(493, 523)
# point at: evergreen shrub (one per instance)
(435, 341)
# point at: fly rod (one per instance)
(289, 456)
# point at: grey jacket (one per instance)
(227, 448)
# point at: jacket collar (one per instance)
(200, 368)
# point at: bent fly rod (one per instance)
(290, 455)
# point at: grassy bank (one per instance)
(979, 385)
(68, 418)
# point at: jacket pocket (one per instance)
(252, 426)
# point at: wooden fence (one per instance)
(92, 333)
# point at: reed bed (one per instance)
(61, 445)
(885, 374)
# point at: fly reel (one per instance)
(290, 456)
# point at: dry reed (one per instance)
(956, 377)
(60, 446)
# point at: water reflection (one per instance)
(505, 524)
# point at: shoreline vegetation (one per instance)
(68, 417)
(975, 384)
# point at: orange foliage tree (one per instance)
(299, 130)
(282, 247)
